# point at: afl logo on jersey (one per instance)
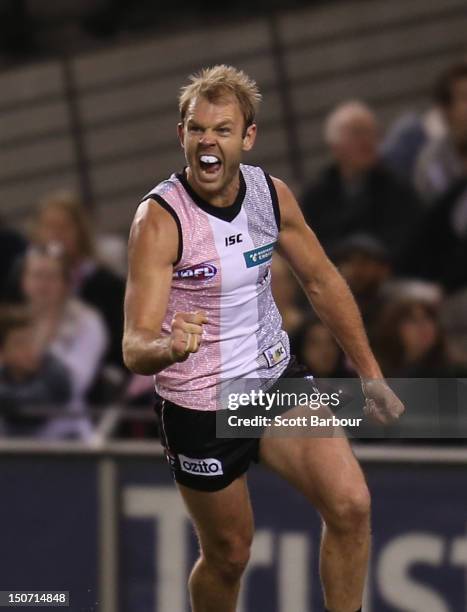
(200, 272)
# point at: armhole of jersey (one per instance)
(274, 200)
(166, 206)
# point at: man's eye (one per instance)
(224, 130)
(194, 129)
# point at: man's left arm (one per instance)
(333, 302)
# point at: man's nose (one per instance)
(207, 139)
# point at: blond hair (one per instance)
(219, 81)
(68, 202)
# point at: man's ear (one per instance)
(181, 133)
(249, 137)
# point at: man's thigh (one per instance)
(223, 519)
(324, 469)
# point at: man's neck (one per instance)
(222, 199)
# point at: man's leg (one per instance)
(224, 523)
(327, 473)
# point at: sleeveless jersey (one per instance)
(224, 268)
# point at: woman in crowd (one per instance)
(74, 332)
(409, 341)
(61, 218)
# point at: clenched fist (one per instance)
(186, 332)
(381, 403)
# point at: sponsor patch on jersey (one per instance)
(203, 467)
(259, 255)
(275, 354)
(199, 272)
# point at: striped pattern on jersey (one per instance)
(224, 268)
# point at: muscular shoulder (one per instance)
(290, 212)
(150, 216)
(154, 229)
(283, 190)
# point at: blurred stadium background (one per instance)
(88, 104)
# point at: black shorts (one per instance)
(198, 459)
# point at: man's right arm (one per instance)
(152, 250)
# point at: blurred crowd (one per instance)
(389, 209)
(391, 212)
(61, 323)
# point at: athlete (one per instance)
(199, 311)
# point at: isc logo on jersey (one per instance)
(275, 354)
(203, 467)
(234, 239)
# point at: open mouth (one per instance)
(210, 164)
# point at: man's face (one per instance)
(213, 137)
(457, 111)
(357, 145)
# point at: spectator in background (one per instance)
(62, 218)
(12, 246)
(437, 250)
(407, 136)
(30, 377)
(415, 289)
(356, 193)
(319, 352)
(409, 341)
(444, 160)
(365, 264)
(74, 331)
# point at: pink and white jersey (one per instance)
(224, 268)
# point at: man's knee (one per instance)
(351, 509)
(229, 556)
